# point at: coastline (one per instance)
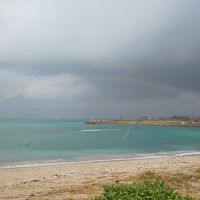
(123, 157)
(66, 179)
(149, 121)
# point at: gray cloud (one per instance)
(124, 57)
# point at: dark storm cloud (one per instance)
(132, 57)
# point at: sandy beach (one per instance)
(85, 180)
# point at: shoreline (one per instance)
(83, 180)
(47, 163)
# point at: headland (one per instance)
(172, 121)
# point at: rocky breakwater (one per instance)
(108, 121)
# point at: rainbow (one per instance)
(170, 88)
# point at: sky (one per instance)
(99, 58)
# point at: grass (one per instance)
(149, 187)
(122, 119)
(198, 173)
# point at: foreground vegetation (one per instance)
(149, 187)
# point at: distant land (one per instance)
(176, 120)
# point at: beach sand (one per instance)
(83, 180)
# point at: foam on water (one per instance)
(92, 130)
(96, 130)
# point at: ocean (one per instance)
(26, 142)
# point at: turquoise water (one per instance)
(27, 142)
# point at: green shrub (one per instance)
(150, 187)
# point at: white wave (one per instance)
(96, 130)
(92, 130)
(167, 154)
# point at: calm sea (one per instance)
(40, 142)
